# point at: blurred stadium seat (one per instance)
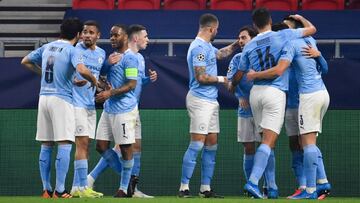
(231, 4)
(184, 4)
(93, 4)
(139, 4)
(354, 4)
(280, 5)
(323, 4)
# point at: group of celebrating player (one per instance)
(277, 75)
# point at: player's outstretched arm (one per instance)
(86, 73)
(270, 73)
(30, 65)
(205, 79)
(227, 51)
(309, 28)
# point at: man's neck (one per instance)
(122, 49)
(203, 36)
(265, 29)
(133, 47)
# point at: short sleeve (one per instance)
(198, 56)
(233, 66)
(76, 57)
(288, 52)
(244, 63)
(131, 65)
(36, 55)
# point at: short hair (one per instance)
(279, 26)
(261, 17)
(207, 19)
(297, 23)
(122, 27)
(92, 23)
(70, 27)
(133, 29)
(250, 29)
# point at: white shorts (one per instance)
(85, 122)
(119, 128)
(56, 120)
(138, 128)
(268, 107)
(291, 122)
(204, 115)
(246, 130)
(312, 108)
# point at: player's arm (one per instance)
(205, 79)
(312, 52)
(30, 65)
(86, 73)
(270, 73)
(309, 28)
(227, 51)
(128, 86)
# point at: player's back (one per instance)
(264, 51)
(202, 54)
(307, 74)
(93, 60)
(118, 75)
(58, 60)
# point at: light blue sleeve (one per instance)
(36, 55)
(244, 64)
(198, 56)
(232, 68)
(322, 64)
(76, 57)
(291, 34)
(288, 52)
(131, 67)
(145, 80)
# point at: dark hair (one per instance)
(297, 23)
(261, 17)
(70, 27)
(133, 29)
(92, 23)
(250, 29)
(122, 27)
(279, 26)
(207, 19)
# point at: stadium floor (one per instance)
(31, 199)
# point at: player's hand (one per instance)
(310, 52)
(79, 83)
(104, 95)
(244, 103)
(114, 58)
(153, 75)
(251, 75)
(230, 87)
(296, 17)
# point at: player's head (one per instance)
(70, 28)
(137, 34)
(209, 22)
(90, 33)
(279, 26)
(118, 36)
(246, 33)
(261, 18)
(293, 23)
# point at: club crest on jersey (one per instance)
(201, 57)
(100, 60)
(81, 59)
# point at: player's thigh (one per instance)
(246, 131)
(104, 129)
(44, 131)
(138, 128)
(214, 123)
(291, 122)
(255, 104)
(85, 122)
(274, 101)
(123, 127)
(63, 119)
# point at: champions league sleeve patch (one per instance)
(201, 57)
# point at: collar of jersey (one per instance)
(64, 41)
(263, 33)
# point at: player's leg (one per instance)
(45, 134)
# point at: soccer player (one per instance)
(118, 38)
(246, 128)
(118, 120)
(202, 105)
(313, 103)
(267, 97)
(84, 106)
(56, 122)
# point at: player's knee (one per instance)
(101, 147)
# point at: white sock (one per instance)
(184, 187)
(204, 188)
(310, 190)
(322, 181)
(90, 181)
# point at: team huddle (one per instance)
(277, 76)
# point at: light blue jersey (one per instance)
(292, 97)
(243, 88)
(142, 78)
(202, 53)
(308, 73)
(119, 74)
(58, 61)
(93, 60)
(264, 51)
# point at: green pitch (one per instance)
(167, 200)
